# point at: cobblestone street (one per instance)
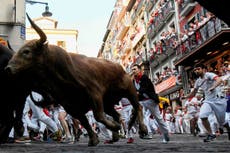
(178, 143)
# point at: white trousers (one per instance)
(216, 106)
(155, 111)
(38, 116)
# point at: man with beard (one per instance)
(209, 83)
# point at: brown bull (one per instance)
(77, 82)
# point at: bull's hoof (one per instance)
(143, 131)
(142, 135)
(115, 136)
(93, 142)
(117, 127)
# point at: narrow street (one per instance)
(178, 143)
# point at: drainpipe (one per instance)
(14, 8)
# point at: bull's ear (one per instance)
(46, 43)
(39, 45)
(40, 48)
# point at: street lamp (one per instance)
(47, 13)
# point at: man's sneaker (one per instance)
(122, 135)
(108, 142)
(210, 138)
(38, 138)
(57, 136)
(68, 140)
(165, 138)
(78, 134)
(202, 134)
(148, 136)
(130, 140)
(23, 140)
(10, 140)
(221, 130)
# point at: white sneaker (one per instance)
(38, 138)
(148, 136)
(67, 140)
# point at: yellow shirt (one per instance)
(162, 100)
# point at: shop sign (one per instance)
(174, 95)
(23, 32)
(170, 82)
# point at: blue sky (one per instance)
(89, 17)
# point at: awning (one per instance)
(170, 91)
(166, 84)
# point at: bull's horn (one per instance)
(9, 46)
(38, 30)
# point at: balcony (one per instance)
(150, 5)
(162, 58)
(124, 26)
(151, 31)
(168, 10)
(186, 7)
(161, 18)
(137, 38)
(133, 16)
(139, 7)
(213, 40)
(122, 31)
(139, 59)
(121, 13)
(169, 15)
(127, 47)
(154, 63)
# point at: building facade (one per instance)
(65, 38)
(167, 37)
(13, 27)
(12, 22)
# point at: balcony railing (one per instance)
(151, 31)
(150, 5)
(199, 37)
(139, 6)
(160, 18)
(183, 48)
(186, 6)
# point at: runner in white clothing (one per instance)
(39, 120)
(209, 82)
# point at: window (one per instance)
(61, 44)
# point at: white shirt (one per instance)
(206, 83)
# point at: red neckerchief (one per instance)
(190, 99)
(138, 77)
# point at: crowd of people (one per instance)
(202, 113)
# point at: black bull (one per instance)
(77, 82)
(12, 98)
